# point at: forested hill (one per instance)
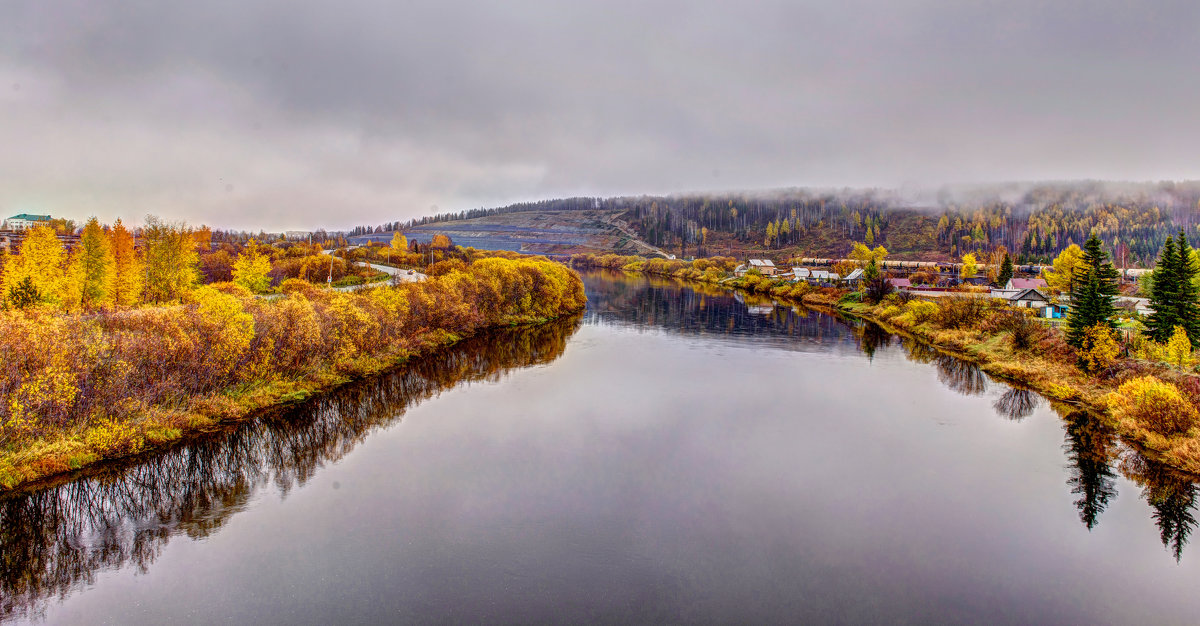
(1034, 222)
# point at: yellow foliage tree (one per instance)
(170, 260)
(95, 266)
(1062, 278)
(127, 267)
(1100, 348)
(441, 242)
(399, 242)
(42, 262)
(1179, 349)
(865, 254)
(969, 267)
(251, 268)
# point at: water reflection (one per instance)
(1017, 404)
(55, 540)
(1171, 495)
(1091, 448)
(962, 376)
(615, 298)
(873, 337)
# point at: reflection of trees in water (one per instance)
(1171, 495)
(1091, 447)
(919, 351)
(872, 337)
(1017, 404)
(55, 540)
(962, 376)
(696, 309)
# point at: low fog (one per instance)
(284, 115)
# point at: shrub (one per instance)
(1099, 349)
(295, 285)
(958, 312)
(890, 311)
(1155, 405)
(921, 310)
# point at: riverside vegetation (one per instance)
(1142, 381)
(110, 351)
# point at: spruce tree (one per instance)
(1006, 271)
(1187, 295)
(1163, 289)
(1095, 286)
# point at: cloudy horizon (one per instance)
(278, 115)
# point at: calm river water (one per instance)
(672, 456)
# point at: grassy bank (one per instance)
(1148, 402)
(76, 389)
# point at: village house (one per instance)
(854, 277)
(800, 273)
(766, 266)
(1027, 299)
(1017, 284)
(824, 276)
(900, 283)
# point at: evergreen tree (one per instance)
(1187, 295)
(1163, 288)
(872, 270)
(1095, 286)
(1006, 271)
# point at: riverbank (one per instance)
(78, 390)
(1131, 395)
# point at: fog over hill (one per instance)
(284, 116)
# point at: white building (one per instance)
(25, 221)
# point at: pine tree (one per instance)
(1187, 295)
(1006, 271)
(1164, 285)
(1095, 286)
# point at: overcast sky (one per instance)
(286, 114)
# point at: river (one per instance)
(672, 455)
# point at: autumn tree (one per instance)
(399, 243)
(251, 269)
(127, 267)
(1095, 287)
(1179, 349)
(440, 242)
(969, 267)
(1062, 278)
(170, 260)
(95, 266)
(864, 254)
(40, 266)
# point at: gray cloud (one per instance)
(283, 114)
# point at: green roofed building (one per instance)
(25, 220)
